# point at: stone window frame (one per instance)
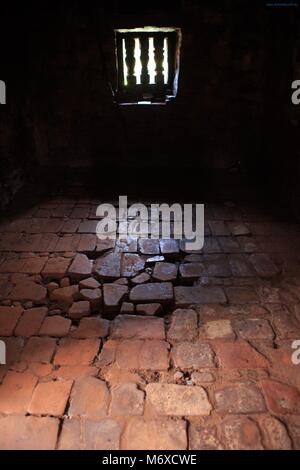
(146, 93)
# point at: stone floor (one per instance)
(143, 346)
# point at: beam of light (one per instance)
(151, 63)
(166, 61)
(138, 62)
(125, 69)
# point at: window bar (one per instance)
(159, 59)
(151, 63)
(145, 77)
(130, 61)
(166, 61)
(138, 63)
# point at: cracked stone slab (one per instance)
(189, 295)
(152, 292)
(108, 266)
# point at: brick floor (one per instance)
(142, 345)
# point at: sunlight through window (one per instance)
(124, 63)
(166, 61)
(138, 62)
(151, 64)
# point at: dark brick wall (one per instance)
(232, 112)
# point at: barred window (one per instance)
(147, 64)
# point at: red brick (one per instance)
(239, 355)
(73, 352)
(239, 397)
(56, 268)
(50, 398)
(178, 400)
(254, 328)
(184, 324)
(202, 437)
(39, 349)
(130, 326)
(242, 295)
(90, 435)
(127, 400)
(158, 434)
(142, 355)
(33, 265)
(193, 355)
(79, 309)
(16, 391)
(74, 372)
(281, 398)
(9, 317)
(68, 242)
(89, 399)
(65, 296)
(55, 326)
(30, 322)
(240, 433)
(275, 436)
(29, 291)
(91, 328)
(28, 433)
(80, 268)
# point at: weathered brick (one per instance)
(127, 400)
(254, 328)
(55, 326)
(28, 433)
(165, 272)
(281, 398)
(29, 291)
(113, 294)
(131, 264)
(217, 329)
(50, 398)
(158, 434)
(56, 268)
(91, 328)
(189, 295)
(263, 265)
(9, 317)
(39, 349)
(239, 355)
(130, 326)
(80, 268)
(193, 355)
(152, 292)
(191, 271)
(65, 296)
(240, 433)
(143, 355)
(89, 399)
(90, 435)
(239, 397)
(15, 392)
(108, 266)
(184, 323)
(30, 322)
(72, 352)
(202, 437)
(274, 433)
(79, 309)
(178, 400)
